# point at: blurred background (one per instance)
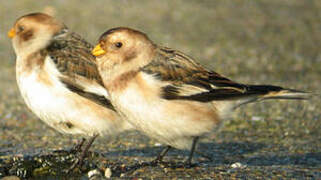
(257, 42)
(232, 37)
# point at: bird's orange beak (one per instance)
(12, 33)
(97, 51)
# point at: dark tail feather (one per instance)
(276, 92)
(262, 92)
(248, 93)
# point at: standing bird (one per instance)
(59, 81)
(166, 94)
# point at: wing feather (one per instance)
(189, 80)
(72, 56)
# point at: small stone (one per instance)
(157, 144)
(108, 173)
(94, 173)
(238, 165)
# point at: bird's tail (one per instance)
(276, 92)
(263, 92)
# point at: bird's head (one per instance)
(33, 32)
(124, 47)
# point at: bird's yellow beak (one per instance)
(12, 33)
(97, 51)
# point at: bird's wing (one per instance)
(186, 79)
(73, 59)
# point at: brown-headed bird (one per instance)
(59, 81)
(166, 94)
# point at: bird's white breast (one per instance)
(42, 99)
(56, 105)
(173, 122)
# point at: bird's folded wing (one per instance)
(185, 79)
(73, 59)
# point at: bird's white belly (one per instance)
(45, 101)
(170, 122)
(66, 111)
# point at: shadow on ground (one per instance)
(46, 164)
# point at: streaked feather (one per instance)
(72, 56)
(190, 81)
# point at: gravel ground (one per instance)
(263, 41)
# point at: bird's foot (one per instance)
(80, 159)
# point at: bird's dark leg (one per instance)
(161, 155)
(77, 147)
(85, 150)
(188, 162)
(83, 154)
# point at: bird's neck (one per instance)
(27, 63)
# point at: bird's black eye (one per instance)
(20, 28)
(119, 44)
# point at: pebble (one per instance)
(238, 165)
(94, 174)
(108, 173)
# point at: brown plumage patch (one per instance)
(28, 24)
(177, 68)
(34, 60)
(174, 66)
(130, 55)
(129, 31)
(72, 57)
(39, 17)
(25, 36)
(122, 81)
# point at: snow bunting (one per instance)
(58, 78)
(166, 94)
